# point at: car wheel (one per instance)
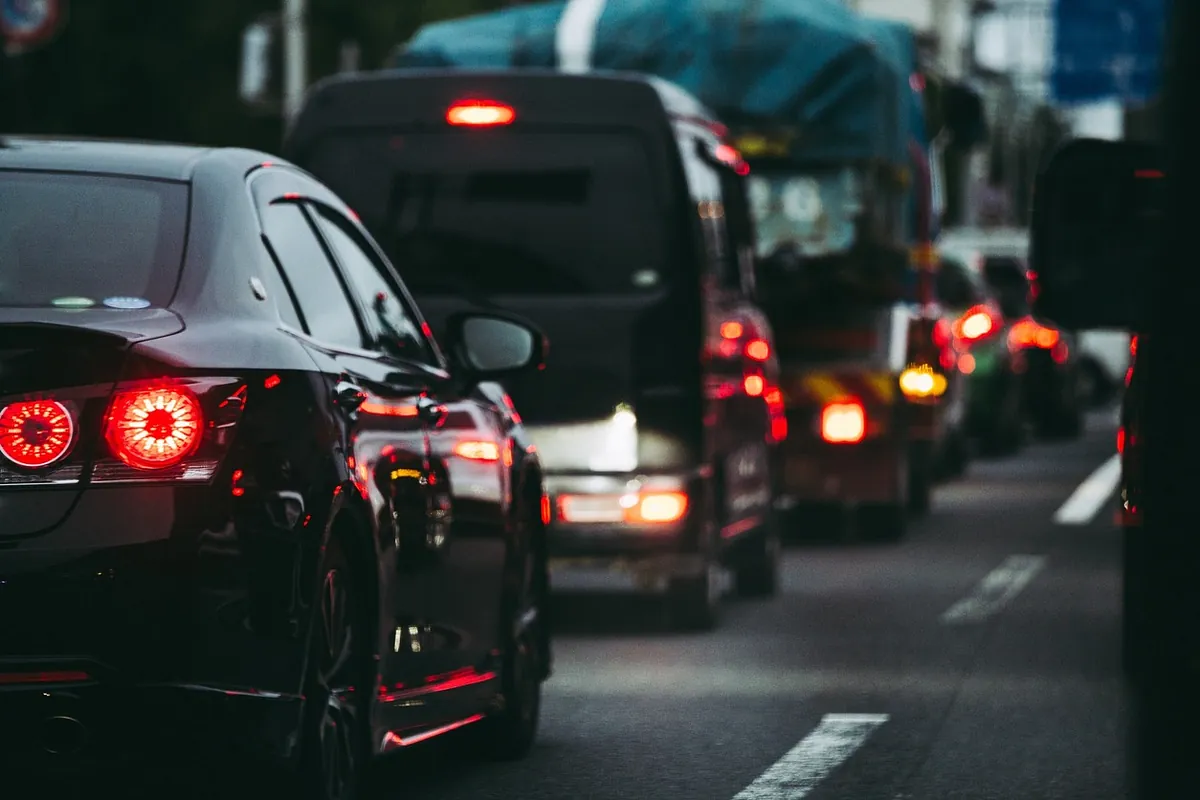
(757, 572)
(508, 734)
(336, 735)
(693, 603)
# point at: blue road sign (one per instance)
(1107, 50)
(29, 22)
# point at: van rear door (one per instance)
(576, 224)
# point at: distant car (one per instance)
(248, 505)
(1052, 397)
(978, 335)
(608, 209)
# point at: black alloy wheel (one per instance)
(337, 731)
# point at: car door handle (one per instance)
(431, 411)
(348, 396)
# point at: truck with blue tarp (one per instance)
(821, 104)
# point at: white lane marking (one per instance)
(575, 36)
(996, 589)
(1091, 495)
(813, 758)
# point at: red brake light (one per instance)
(975, 324)
(941, 333)
(36, 433)
(844, 422)
(758, 350)
(1028, 333)
(731, 330)
(754, 385)
(1133, 345)
(154, 428)
(477, 451)
(479, 113)
(1121, 439)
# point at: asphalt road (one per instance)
(976, 660)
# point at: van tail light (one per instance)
(480, 113)
(978, 322)
(1121, 439)
(1133, 341)
(843, 422)
(776, 413)
(477, 451)
(644, 508)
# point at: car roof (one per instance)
(144, 159)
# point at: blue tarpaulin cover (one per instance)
(814, 67)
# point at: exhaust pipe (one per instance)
(63, 736)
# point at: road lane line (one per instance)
(1091, 495)
(996, 589)
(818, 754)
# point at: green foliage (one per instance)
(168, 69)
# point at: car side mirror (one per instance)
(492, 346)
(1097, 211)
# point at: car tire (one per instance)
(509, 733)
(693, 603)
(336, 747)
(757, 572)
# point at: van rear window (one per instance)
(504, 212)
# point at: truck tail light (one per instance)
(843, 422)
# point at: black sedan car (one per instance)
(247, 503)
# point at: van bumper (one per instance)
(620, 556)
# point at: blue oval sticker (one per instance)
(126, 302)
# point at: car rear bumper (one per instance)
(105, 723)
(166, 611)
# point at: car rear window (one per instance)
(505, 212)
(77, 240)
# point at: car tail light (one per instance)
(731, 330)
(177, 430)
(480, 113)
(35, 434)
(754, 385)
(978, 322)
(843, 422)
(1133, 341)
(1121, 439)
(477, 451)
(645, 508)
(154, 428)
(941, 333)
(1028, 333)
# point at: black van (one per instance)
(607, 209)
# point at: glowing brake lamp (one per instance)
(1028, 333)
(975, 324)
(844, 422)
(480, 113)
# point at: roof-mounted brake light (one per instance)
(480, 113)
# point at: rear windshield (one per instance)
(504, 212)
(76, 240)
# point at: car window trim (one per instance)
(300, 202)
(316, 207)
